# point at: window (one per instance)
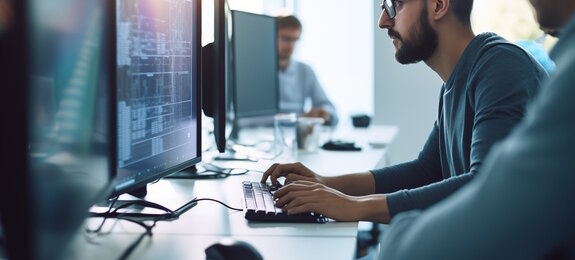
(512, 19)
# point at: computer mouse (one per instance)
(230, 249)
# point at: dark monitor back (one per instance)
(216, 73)
(255, 60)
(57, 130)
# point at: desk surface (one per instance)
(209, 222)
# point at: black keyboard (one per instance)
(260, 206)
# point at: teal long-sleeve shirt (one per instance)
(484, 98)
(521, 205)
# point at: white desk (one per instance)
(209, 222)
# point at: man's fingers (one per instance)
(303, 208)
(293, 177)
(289, 197)
(281, 170)
(268, 172)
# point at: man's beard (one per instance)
(422, 47)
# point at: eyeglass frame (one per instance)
(389, 7)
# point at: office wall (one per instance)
(404, 95)
(337, 41)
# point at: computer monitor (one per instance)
(57, 122)
(217, 75)
(256, 64)
(240, 74)
(158, 75)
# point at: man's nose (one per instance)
(384, 20)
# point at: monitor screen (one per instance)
(255, 64)
(158, 89)
(58, 116)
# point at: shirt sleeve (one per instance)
(519, 207)
(499, 102)
(424, 170)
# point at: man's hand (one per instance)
(292, 172)
(319, 112)
(304, 196)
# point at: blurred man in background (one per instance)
(297, 81)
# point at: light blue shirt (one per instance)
(297, 83)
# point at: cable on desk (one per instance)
(123, 216)
(224, 204)
(115, 214)
(135, 244)
(148, 228)
(169, 215)
(99, 228)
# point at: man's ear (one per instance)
(440, 9)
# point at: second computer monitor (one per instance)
(158, 90)
(255, 64)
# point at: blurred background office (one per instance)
(354, 60)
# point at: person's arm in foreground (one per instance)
(308, 191)
(421, 171)
(519, 207)
(350, 197)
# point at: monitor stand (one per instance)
(140, 192)
(229, 154)
(151, 203)
(193, 173)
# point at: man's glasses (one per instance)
(389, 7)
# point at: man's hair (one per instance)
(462, 10)
(289, 21)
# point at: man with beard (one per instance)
(487, 85)
(297, 80)
(521, 206)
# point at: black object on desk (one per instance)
(360, 120)
(232, 249)
(340, 146)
